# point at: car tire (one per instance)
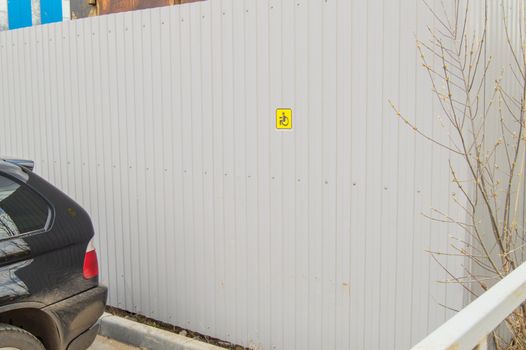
(12, 337)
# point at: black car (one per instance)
(50, 296)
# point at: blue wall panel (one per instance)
(19, 13)
(51, 11)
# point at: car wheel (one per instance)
(14, 338)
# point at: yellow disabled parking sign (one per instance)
(283, 118)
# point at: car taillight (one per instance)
(91, 265)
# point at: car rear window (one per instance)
(21, 209)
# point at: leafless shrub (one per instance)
(485, 117)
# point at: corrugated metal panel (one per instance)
(50, 11)
(161, 123)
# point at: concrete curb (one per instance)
(141, 335)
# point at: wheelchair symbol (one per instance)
(283, 118)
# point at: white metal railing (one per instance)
(469, 328)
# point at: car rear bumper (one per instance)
(76, 317)
(83, 341)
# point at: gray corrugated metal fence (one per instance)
(161, 123)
